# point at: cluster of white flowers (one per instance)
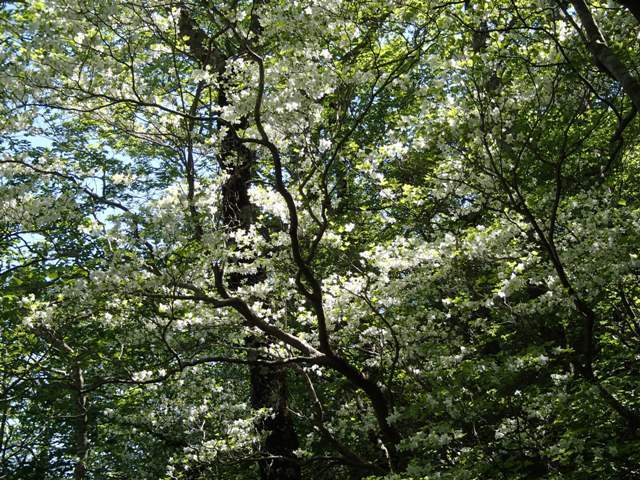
(142, 376)
(269, 201)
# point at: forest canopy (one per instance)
(319, 239)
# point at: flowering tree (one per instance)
(319, 239)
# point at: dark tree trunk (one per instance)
(269, 389)
(82, 423)
(268, 383)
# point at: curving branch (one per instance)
(390, 436)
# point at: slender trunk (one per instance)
(82, 422)
(3, 441)
(604, 56)
(585, 347)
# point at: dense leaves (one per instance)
(319, 239)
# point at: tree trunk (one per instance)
(604, 56)
(82, 421)
(269, 389)
(268, 383)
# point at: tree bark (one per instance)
(268, 383)
(82, 422)
(604, 55)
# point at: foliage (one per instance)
(319, 239)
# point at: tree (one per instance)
(263, 239)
